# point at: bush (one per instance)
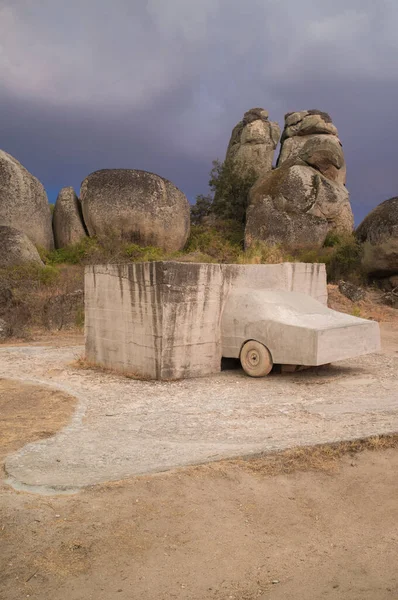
(201, 209)
(231, 190)
(220, 242)
(30, 290)
(345, 261)
(142, 254)
(229, 194)
(104, 250)
(342, 255)
(74, 255)
(31, 274)
(261, 253)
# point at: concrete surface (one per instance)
(161, 320)
(296, 329)
(124, 427)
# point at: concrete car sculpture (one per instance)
(267, 327)
(170, 320)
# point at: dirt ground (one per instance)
(309, 523)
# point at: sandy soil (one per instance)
(309, 524)
(232, 530)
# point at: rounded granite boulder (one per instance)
(378, 233)
(23, 202)
(136, 206)
(16, 248)
(296, 206)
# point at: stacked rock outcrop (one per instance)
(253, 143)
(305, 197)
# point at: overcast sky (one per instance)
(159, 84)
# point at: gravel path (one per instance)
(124, 427)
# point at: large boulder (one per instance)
(296, 206)
(68, 224)
(311, 137)
(16, 248)
(136, 206)
(23, 202)
(379, 234)
(253, 143)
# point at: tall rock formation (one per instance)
(253, 143)
(136, 206)
(311, 136)
(305, 197)
(379, 234)
(23, 202)
(68, 224)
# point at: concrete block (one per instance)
(167, 320)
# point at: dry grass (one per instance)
(30, 412)
(41, 297)
(325, 458)
(371, 307)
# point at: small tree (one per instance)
(231, 190)
(229, 194)
(201, 209)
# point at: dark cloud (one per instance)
(159, 85)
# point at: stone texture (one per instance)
(6, 296)
(391, 298)
(311, 137)
(305, 197)
(351, 291)
(253, 142)
(4, 330)
(322, 152)
(308, 122)
(23, 202)
(379, 234)
(68, 224)
(295, 328)
(16, 248)
(296, 206)
(137, 206)
(162, 320)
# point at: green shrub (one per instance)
(333, 238)
(201, 209)
(261, 253)
(30, 274)
(312, 255)
(219, 242)
(48, 275)
(342, 255)
(142, 253)
(230, 190)
(73, 255)
(345, 261)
